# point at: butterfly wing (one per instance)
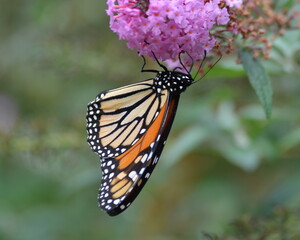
(127, 127)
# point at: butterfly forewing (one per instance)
(117, 119)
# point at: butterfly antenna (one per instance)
(162, 66)
(192, 62)
(208, 69)
(200, 65)
(181, 63)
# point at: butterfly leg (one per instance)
(147, 70)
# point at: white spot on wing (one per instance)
(142, 131)
(133, 175)
(144, 158)
(142, 171)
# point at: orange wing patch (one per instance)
(149, 137)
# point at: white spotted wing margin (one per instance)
(127, 167)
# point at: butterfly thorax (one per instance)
(175, 82)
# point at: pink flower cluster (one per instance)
(234, 3)
(167, 27)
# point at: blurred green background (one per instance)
(223, 159)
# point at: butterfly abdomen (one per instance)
(175, 82)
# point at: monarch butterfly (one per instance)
(128, 128)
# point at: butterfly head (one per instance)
(174, 81)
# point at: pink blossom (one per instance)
(167, 27)
(234, 3)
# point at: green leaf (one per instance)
(259, 79)
(188, 140)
